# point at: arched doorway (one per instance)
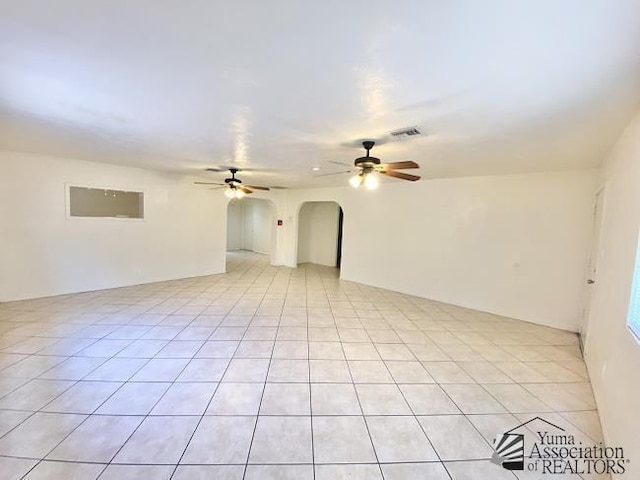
(320, 233)
(250, 226)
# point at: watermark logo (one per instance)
(546, 448)
(508, 451)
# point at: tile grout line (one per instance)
(264, 387)
(165, 392)
(364, 419)
(80, 424)
(62, 393)
(313, 453)
(195, 292)
(218, 384)
(415, 417)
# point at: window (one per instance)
(633, 318)
(100, 202)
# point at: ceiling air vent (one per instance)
(405, 132)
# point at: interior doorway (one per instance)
(250, 226)
(320, 231)
(590, 302)
(340, 226)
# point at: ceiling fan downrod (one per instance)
(368, 145)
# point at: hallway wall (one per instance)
(612, 352)
(42, 252)
(235, 226)
(318, 233)
(250, 225)
(514, 245)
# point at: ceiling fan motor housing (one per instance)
(233, 180)
(367, 162)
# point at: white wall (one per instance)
(247, 226)
(42, 252)
(513, 245)
(611, 352)
(250, 225)
(318, 233)
(262, 224)
(235, 226)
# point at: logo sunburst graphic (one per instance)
(508, 451)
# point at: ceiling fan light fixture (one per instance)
(371, 181)
(356, 180)
(234, 188)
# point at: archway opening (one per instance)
(320, 234)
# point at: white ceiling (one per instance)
(496, 86)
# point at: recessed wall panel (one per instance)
(97, 202)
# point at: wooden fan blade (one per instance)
(257, 187)
(210, 183)
(398, 165)
(400, 175)
(333, 173)
(245, 190)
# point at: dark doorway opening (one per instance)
(339, 254)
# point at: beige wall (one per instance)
(612, 353)
(44, 252)
(250, 225)
(318, 233)
(515, 245)
(93, 202)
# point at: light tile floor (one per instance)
(273, 373)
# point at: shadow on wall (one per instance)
(320, 233)
(250, 226)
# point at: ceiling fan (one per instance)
(367, 167)
(234, 188)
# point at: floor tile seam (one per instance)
(218, 386)
(313, 453)
(572, 396)
(148, 414)
(162, 396)
(466, 416)
(415, 417)
(201, 417)
(90, 415)
(375, 452)
(39, 410)
(333, 415)
(538, 382)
